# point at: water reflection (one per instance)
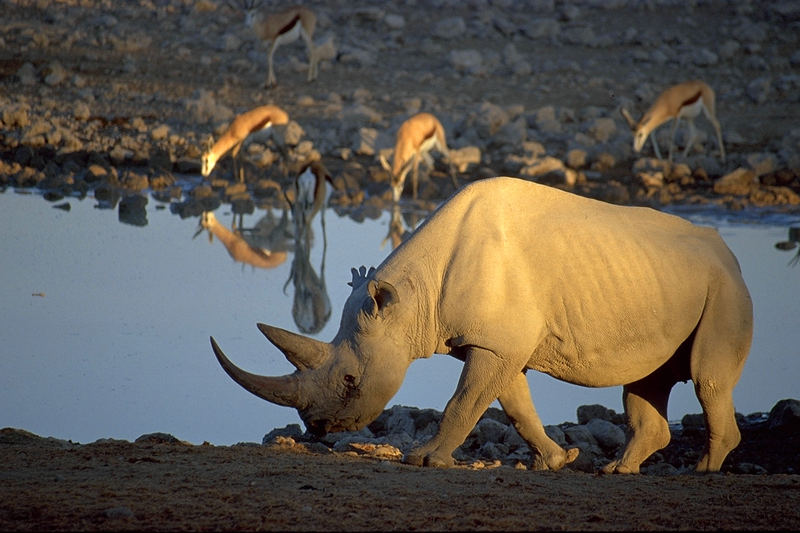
(259, 250)
(401, 225)
(110, 352)
(311, 306)
(266, 245)
(791, 244)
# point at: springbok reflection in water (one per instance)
(311, 307)
(790, 244)
(400, 228)
(262, 246)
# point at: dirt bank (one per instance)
(159, 485)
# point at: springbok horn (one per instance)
(628, 118)
(282, 390)
(303, 352)
(385, 164)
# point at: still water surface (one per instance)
(104, 325)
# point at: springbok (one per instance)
(238, 248)
(283, 27)
(684, 100)
(243, 126)
(416, 137)
(310, 190)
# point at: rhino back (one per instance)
(514, 266)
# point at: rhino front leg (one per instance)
(516, 402)
(484, 377)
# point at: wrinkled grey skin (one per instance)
(507, 276)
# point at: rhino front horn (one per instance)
(282, 390)
(303, 352)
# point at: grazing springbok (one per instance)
(243, 126)
(684, 100)
(416, 137)
(282, 27)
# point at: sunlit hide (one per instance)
(588, 292)
(238, 246)
(311, 306)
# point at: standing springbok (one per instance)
(243, 126)
(416, 137)
(310, 190)
(684, 100)
(283, 27)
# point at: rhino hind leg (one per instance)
(516, 402)
(722, 431)
(721, 345)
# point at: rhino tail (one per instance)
(360, 276)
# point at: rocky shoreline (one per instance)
(769, 440)
(116, 101)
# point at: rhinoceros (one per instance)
(509, 275)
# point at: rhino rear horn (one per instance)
(303, 352)
(282, 390)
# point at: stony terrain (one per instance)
(116, 100)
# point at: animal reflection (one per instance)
(398, 231)
(790, 244)
(241, 245)
(311, 307)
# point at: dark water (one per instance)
(105, 324)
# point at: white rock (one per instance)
(450, 28)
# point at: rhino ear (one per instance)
(383, 296)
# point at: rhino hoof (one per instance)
(439, 462)
(614, 467)
(428, 460)
(411, 459)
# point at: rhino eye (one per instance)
(350, 391)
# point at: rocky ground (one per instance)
(116, 100)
